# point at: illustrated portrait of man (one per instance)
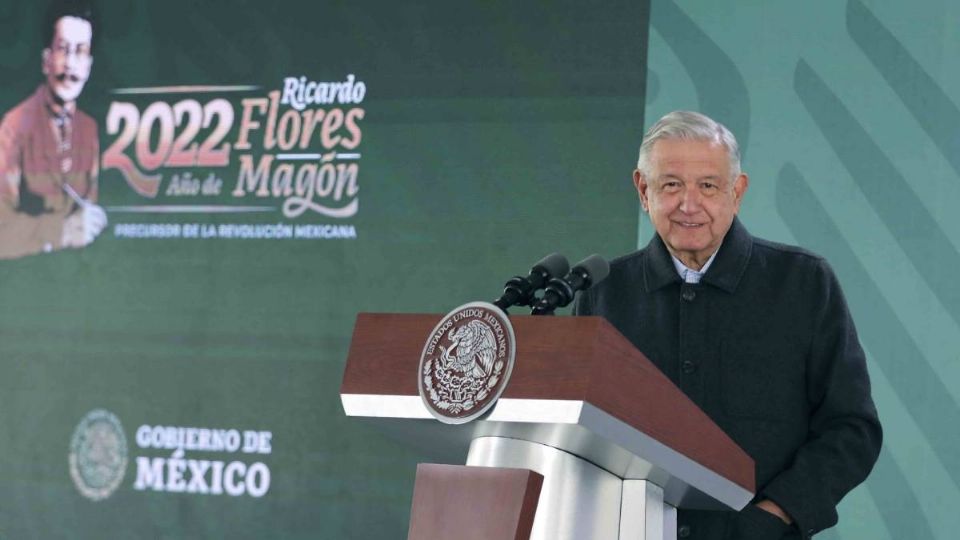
(49, 148)
(756, 333)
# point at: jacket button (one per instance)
(688, 294)
(688, 367)
(683, 531)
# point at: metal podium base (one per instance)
(578, 499)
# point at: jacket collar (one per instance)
(54, 109)
(724, 273)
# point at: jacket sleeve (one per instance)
(20, 234)
(844, 434)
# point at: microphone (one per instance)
(559, 292)
(520, 290)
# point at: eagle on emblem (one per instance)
(472, 350)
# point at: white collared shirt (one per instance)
(689, 275)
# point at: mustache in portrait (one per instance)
(72, 77)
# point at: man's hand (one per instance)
(83, 225)
(774, 509)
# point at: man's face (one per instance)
(67, 60)
(690, 196)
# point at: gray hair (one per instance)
(691, 126)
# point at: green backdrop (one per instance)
(848, 112)
(493, 134)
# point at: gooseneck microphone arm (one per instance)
(520, 290)
(559, 292)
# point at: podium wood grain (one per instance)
(558, 358)
(473, 503)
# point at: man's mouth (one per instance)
(689, 225)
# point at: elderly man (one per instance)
(757, 334)
(49, 149)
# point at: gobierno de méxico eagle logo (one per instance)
(98, 454)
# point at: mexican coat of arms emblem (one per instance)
(466, 362)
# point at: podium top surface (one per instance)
(569, 370)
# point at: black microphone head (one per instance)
(554, 264)
(593, 267)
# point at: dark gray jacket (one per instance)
(765, 345)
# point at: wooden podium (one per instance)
(589, 438)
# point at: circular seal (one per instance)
(98, 455)
(466, 362)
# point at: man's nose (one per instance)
(690, 200)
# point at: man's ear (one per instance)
(640, 182)
(740, 186)
(44, 59)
